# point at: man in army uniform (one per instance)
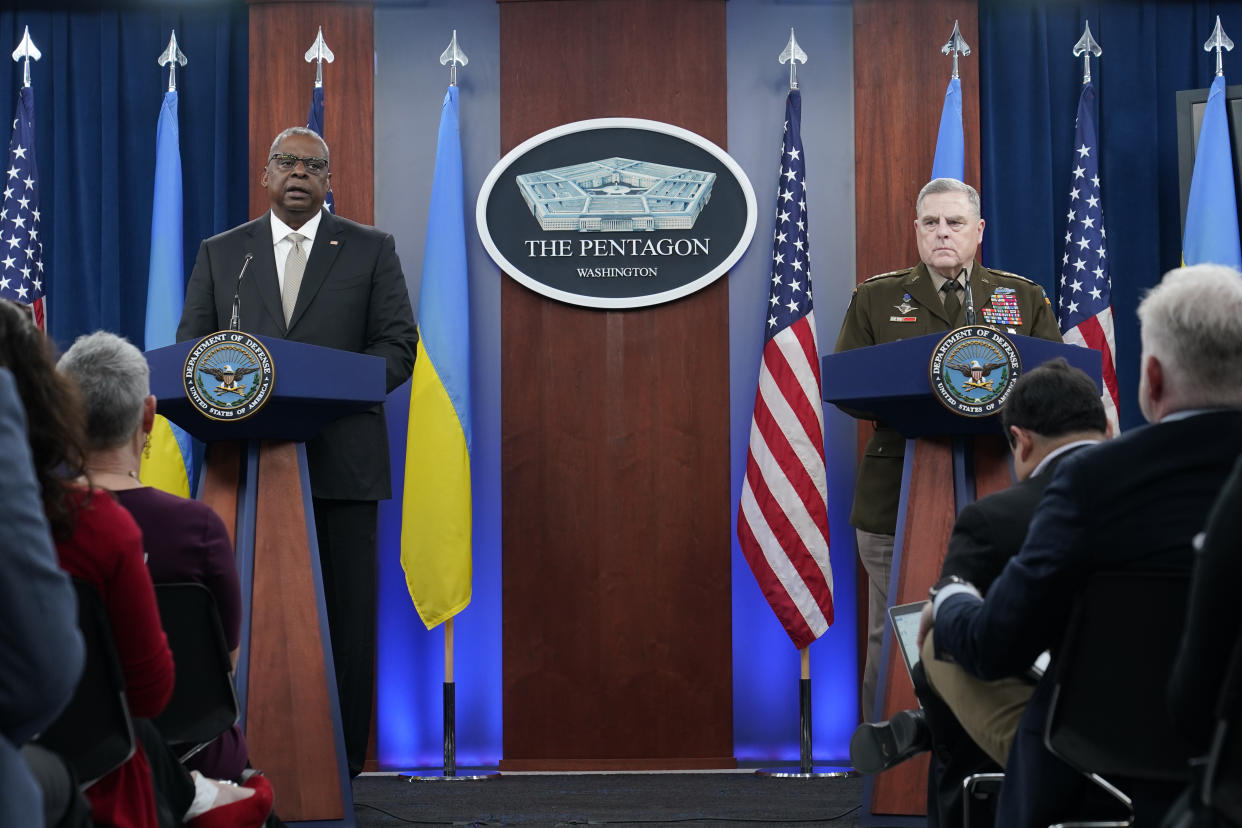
(928, 298)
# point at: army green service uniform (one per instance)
(902, 305)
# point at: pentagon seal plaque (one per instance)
(228, 375)
(972, 371)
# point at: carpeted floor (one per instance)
(735, 799)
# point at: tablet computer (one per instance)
(905, 621)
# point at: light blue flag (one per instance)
(444, 297)
(166, 294)
(950, 159)
(1211, 234)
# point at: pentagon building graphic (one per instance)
(616, 194)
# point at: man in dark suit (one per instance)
(323, 280)
(1133, 502)
(1052, 411)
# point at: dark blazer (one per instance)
(990, 531)
(1213, 625)
(1133, 502)
(353, 298)
(987, 533)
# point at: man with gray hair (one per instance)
(1134, 502)
(937, 295)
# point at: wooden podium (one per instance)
(256, 479)
(950, 461)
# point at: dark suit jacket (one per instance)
(353, 298)
(990, 531)
(987, 533)
(1213, 625)
(1133, 502)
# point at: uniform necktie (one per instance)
(952, 305)
(295, 267)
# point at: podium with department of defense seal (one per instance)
(943, 393)
(256, 401)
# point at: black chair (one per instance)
(94, 734)
(1108, 716)
(204, 703)
(1221, 793)
(979, 794)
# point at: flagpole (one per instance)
(20, 213)
(317, 54)
(450, 704)
(793, 55)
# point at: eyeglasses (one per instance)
(286, 162)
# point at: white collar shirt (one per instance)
(281, 245)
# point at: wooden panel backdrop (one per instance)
(615, 435)
(899, 83)
(281, 82)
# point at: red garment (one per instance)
(106, 550)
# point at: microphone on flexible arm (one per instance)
(970, 302)
(235, 319)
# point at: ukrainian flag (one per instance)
(1211, 234)
(436, 509)
(166, 460)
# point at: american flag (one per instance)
(1084, 308)
(782, 521)
(314, 121)
(21, 250)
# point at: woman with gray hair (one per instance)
(184, 540)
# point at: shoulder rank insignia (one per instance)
(890, 274)
(1014, 276)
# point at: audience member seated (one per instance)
(41, 652)
(98, 541)
(1213, 624)
(1052, 412)
(1211, 643)
(1135, 502)
(184, 540)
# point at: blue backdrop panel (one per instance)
(98, 93)
(765, 663)
(1029, 95)
(409, 88)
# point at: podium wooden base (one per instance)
(286, 683)
(941, 475)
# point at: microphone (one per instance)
(234, 320)
(970, 301)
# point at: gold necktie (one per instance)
(295, 267)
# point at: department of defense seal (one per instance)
(228, 375)
(972, 371)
